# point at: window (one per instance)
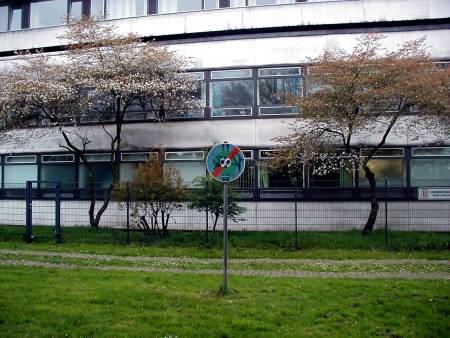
(231, 97)
(97, 8)
(199, 93)
(57, 158)
(138, 157)
(63, 173)
(280, 177)
(18, 170)
(47, 13)
(124, 9)
(436, 151)
(102, 175)
(184, 155)
(20, 159)
(384, 152)
(105, 157)
(247, 179)
(187, 170)
(16, 18)
(172, 6)
(341, 178)
(3, 18)
(391, 169)
(229, 74)
(76, 9)
(274, 90)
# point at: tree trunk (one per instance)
(215, 222)
(374, 207)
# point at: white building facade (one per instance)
(242, 51)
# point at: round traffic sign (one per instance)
(225, 162)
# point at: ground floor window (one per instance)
(102, 175)
(393, 169)
(63, 173)
(188, 171)
(430, 172)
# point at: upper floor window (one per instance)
(76, 9)
(47, 13)
(3, 18)
(16, 18)
(123, 9)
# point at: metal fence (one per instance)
(290, 222)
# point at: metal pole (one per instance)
(385, 213)
(128, 213)
(295, 213)
(58, 213)
(225, 237)
(28, 211)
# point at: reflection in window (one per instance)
(229, 94)
(16, 176)
(47, 13)
(172, 6)
(63, 173)
(392, 169)
(16, 18)
(279, 178)
(430, 172)
(342, 178)
(123, 9)
(102, 175)
(76, 9)
(187, 170)
(3, 18)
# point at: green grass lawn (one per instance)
(40, 302)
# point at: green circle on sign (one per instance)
(225, 162)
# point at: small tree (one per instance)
(360, 98)
(207, 196)
(154, 195)
(101, 78)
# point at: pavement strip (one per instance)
(265, 273)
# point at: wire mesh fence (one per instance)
(289, 222)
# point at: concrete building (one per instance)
(243, 47)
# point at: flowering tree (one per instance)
(358, 100)
(102, 77)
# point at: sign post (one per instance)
(225, 163)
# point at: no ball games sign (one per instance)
(225, 162)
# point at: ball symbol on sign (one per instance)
(225, 162)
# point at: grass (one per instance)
(331, 245)
(247, 266)
(42, 302)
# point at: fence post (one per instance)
(28, 212)
(385, 213)
(295, 213)
(128, 212)
(58, 213)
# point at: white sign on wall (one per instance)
(434, 194)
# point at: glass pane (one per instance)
(231, 112)
(278, 110)
(279, 71)
(76, 9)
(272, 178)
(342, 178)
(184, 155)
(3, 18)
(16, 175)
(172, 6)
(430, 172)
(135, 157)
(98, 157)
(211, 4)
(21, 159)
(97, 8)
(246, 180)
(439, 151)
(274, 91)
(123, 9)
(392, 169)
(57, 158)
(63, 173)
(48, 13)
(16, 19)
(127, 171)
(102, 175)
(384, 152)
(262, 2)
(228, 74)
(188, 170)
(231, 93)
(237, 3)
